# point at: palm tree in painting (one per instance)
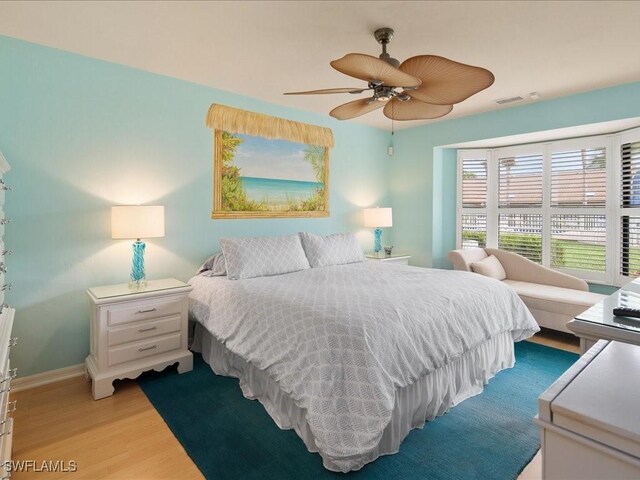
(315, 155)
(234, 197)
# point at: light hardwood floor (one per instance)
(123, 436)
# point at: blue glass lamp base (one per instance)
(378, 240)
(138, 278)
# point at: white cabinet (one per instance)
(136, 330)
(6, 342)
(590, 426)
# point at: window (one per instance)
(474, 230)
(630, 251)
(579, 242)
(521, 233)
(520, 201)
(474, 183)
(473, 194)
(578, 178)
(630, 209)
(563, 204)
(521, 181)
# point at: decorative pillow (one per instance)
(215, 266)
(336, 249)
(262, 256)
(489, 267)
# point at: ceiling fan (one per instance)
(421, 87)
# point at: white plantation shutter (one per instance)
(630, 248)
(630, 179)
(520, 181)
(579, 242)
(521, 233)
(579, 178)
(474, 230)
(474, 183)
(473, 195)
(630, 210)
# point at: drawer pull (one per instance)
(147, 348)
(13, 341)
(6, 286)
(7, 252)
(148, 310)
(3, 268)
(4, 221)
(12, 406)
(148, 329)
(4, 186)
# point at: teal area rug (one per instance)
(489, 436)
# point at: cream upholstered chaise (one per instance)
(554, 298)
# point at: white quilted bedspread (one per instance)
(340, 340)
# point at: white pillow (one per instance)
(489, 267)
(215, 266)
(336, 249)
(261, 256)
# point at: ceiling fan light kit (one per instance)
(421, 87)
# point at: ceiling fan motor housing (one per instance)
(383, 36)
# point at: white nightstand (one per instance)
(136, 330)
(393, 258)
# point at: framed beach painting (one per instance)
(265, 167)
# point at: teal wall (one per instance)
(82, 135)
(423, 178)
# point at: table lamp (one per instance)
(137, 221)
(378, 218)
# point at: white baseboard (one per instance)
(44, 378)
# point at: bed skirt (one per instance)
(427, 398)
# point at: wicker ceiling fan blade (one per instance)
(329, 90)
(372, 69)
(413, 109)
(355, 108)
(445, 82)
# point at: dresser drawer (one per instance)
(118, 355)
(140, 331)
(143, 310)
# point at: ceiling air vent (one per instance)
(502, 101)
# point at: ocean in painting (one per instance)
(274, 191)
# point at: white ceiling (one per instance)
(264, 48)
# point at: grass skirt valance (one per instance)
(222, 117)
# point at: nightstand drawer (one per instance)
(156, 346)
(140, 331)
(143, 310)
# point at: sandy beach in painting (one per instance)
(278, 193)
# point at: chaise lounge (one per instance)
(554, 298)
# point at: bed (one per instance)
(352, 357)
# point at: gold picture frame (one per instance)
(266, 167)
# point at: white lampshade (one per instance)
(137, 221)
(378, 217)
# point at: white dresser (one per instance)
(6, 341)
(136, 330)
(590, 417)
